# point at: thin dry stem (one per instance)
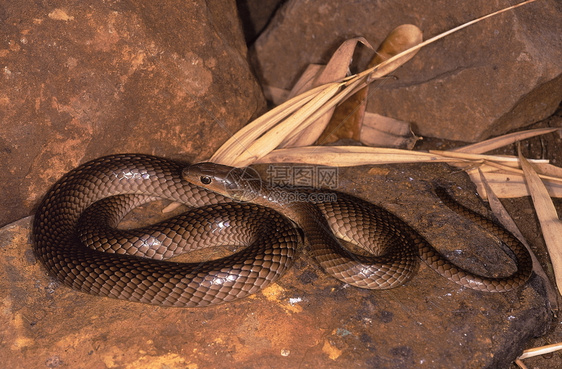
(536, 351)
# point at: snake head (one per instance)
(242, 184)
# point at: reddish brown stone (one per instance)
(89, 78)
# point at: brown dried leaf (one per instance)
(507, 221)
(381, 131)
(347, 119)
(504, 174)
(373, 71)
(543, 350)
(239, 148)
(336, 69)
(398, 40)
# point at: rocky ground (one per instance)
(89, 79)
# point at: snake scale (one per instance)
(76, 240)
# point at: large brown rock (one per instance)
(495, 76)
(89, 78)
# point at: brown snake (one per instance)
(273, 240)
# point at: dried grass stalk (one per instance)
(541, 350)
(343, 156)
(497, 142)
(551, 225)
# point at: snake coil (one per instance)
(120, 269)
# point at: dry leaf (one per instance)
(400, 39)
(311, 117)
(505, 159)
(506, 184)
(373, 71)
(336, 69)
(348, 118)
(505, 219)
(284, 122)
(551, 225)
(381, 131)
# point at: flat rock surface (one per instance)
(306, 319)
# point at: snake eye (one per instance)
(205, 180)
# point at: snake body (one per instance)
(394, 246)
(130, 277)
(96, 194)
